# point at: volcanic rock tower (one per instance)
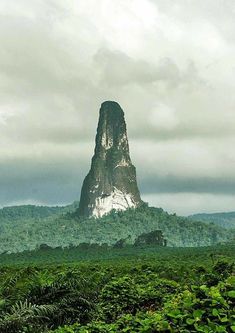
(111, 181)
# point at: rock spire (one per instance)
(111, 182)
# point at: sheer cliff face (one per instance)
(111, 181)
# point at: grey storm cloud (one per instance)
(181, 185)
(119, 69)
(169, 65)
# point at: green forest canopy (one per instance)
(27, 227)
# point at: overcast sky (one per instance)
(169, 64)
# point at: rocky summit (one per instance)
(111, 182)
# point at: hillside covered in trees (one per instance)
(27, 227)
(225, 220)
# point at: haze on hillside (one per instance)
(170, 66)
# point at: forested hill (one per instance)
(64, 228)
(26, 212)
(225, 220)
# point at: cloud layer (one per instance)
(170, 66)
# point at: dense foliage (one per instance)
(25, 212)
(153, 290)
(225, 220)
(63, 228)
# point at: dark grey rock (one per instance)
(111, 181)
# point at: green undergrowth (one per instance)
(160, 290)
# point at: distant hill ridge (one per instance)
(32, 211)
(224, 219)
